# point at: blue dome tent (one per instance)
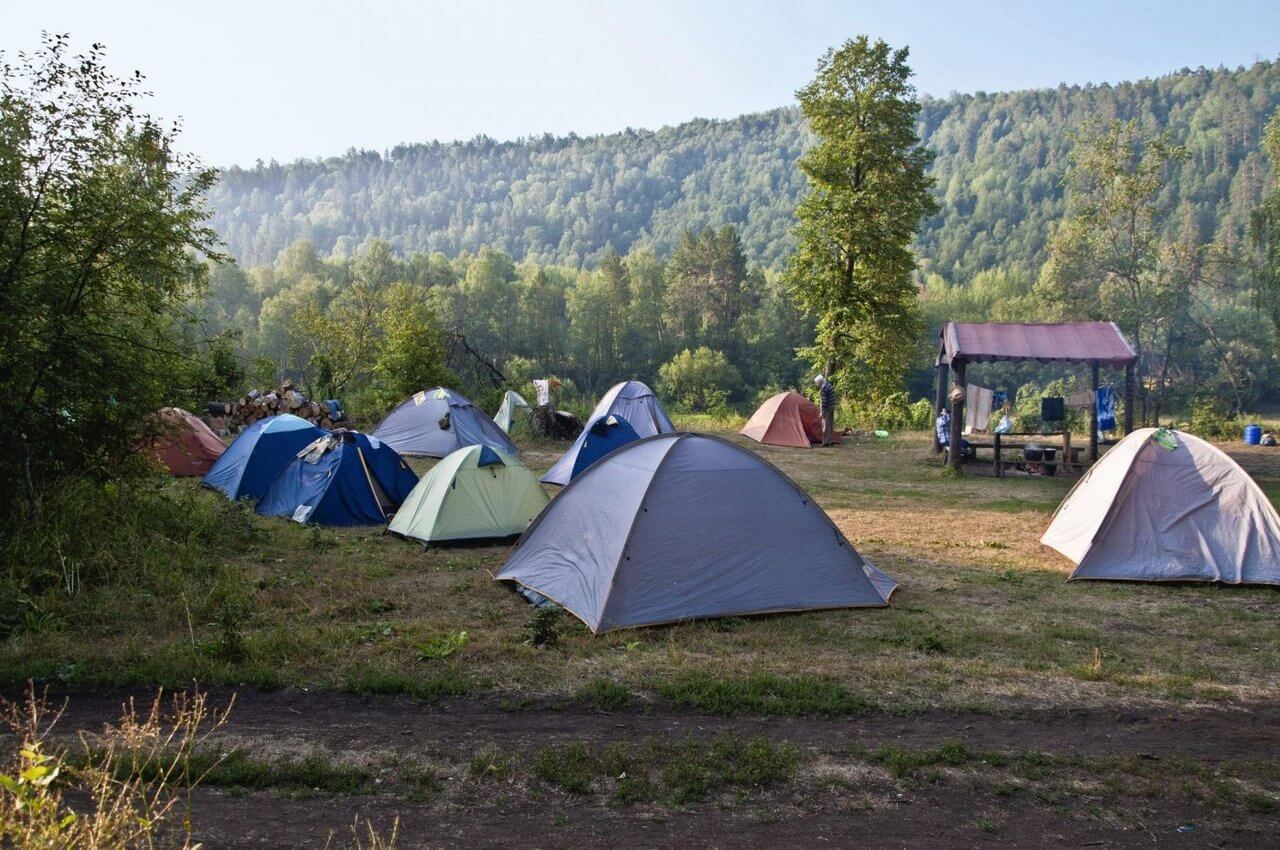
(249, 465)
(602, 437)
(630, 400)
(436, 422)
(343, 478)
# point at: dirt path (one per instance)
(960, 807)
(344, 722)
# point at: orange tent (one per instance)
(185, 445)
(786, 419)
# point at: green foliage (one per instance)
(543, 628)
(101, 221)
(88, 551)
(1264, 227)
(698, 381)
(441, 646)
(605, 694)
(892, 413)
(853, 266)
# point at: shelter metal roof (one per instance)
(1063, 342)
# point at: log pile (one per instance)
(232, 417)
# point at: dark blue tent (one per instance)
(345, 478)
(439, 421)
(249, 465)
(602, 437)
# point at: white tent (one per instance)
(685, 526)
(1147, 512)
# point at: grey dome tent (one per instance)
(438, 421)
(1168, 506)
(685, 526)
(630, 400)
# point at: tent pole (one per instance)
(1128, 398)
(957, 414)
(939, 399)
(1093, 412)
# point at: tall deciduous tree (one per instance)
(101, 224)
(853, 264)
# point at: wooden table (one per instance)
(1000, 442)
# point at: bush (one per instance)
(91, 549)
(892, 413)
(699, 381)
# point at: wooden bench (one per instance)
(1000, 443)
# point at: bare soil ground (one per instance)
(1109, 778)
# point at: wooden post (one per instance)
(1066, 451)
(939, 401)
(957, 414)
(1128, 399)
(999, 456)
(1093, 413)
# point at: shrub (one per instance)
(699, 381)
(91, 549)
(129, 788)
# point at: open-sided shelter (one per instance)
(256, 457)
(476, 493)
(343, 478)
(786, 419)
(1094, 343)
(185, 444)
(631, 401)
(435, 422)
(1168, 507)
(686, 526)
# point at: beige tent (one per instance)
(1175, 509)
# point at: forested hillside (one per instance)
(1000, 159)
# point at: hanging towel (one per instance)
(1106, 409)
(542, 387)
(977, 408)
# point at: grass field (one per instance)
(993, 702)
(984, 619)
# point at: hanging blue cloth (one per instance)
(998, 398)
(1106, 402)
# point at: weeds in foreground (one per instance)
(134, 777)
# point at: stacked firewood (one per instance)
(232, 417)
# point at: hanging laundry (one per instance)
(977, 408)
(1106, 402)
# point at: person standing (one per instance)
(827, 391)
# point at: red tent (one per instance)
(186, 445)
(786, 419)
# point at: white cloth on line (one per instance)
(978, 402)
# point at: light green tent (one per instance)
(473, 493)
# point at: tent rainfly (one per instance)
(475, 493)
(1094, 343)
(186, 445)
(254, 460)
(1168, 506)
(632, 401)
(786, 419)
(343, 478)
(506, 415)
(435, 422)
(685, 526)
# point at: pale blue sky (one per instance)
(274, 79)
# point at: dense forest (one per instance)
(595, 258)
(999, 167)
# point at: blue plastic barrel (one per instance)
(1253, 434)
